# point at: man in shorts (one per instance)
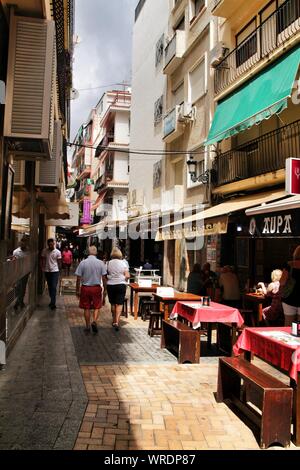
(89, 274)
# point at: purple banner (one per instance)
(86, 219)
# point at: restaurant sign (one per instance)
(285, 224)
(293, 176)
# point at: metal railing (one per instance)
(170, 50)
(276, 30)
(262, 155)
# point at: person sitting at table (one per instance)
(210, 277)
(273, 314)
(195, 282)
(147, 265)
(229, 284)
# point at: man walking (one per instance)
(21, 285)
(51, 265)
(89, 274)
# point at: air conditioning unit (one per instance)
(31, 80)
(186, 111)
(218, 53)
(48, 172)
(19, 167)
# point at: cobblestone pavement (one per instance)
(152, 404)
(126, 393)
(42, 395)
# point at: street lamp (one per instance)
(192, 166)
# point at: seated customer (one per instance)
(195, 282)
(229, 284)
(273, 314)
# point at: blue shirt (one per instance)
(91, 271)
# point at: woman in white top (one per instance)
(117, 275)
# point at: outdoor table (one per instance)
(169, 302)
(135, 289)
(258, 300)
(280, 349)
(196, 313)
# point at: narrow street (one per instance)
(64, 389)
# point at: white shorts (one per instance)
(290, 311)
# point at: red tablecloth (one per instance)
(215, 313)
(275, 351)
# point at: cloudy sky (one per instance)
(103, 56)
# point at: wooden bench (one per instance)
(245, 384)
(182, 340)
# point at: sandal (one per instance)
(116, 326)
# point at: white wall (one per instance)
(148, 84)
(121, 167)
(122, 127)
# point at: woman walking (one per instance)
(117, 275)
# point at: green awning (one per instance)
(261, 97)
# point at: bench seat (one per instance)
(181, 339)
(247, 385)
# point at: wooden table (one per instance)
(258, 301)
(278, 353)
(135, 289)
(169, 302)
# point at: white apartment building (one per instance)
(149, 86)
(109, 171)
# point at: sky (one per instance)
(103, 56)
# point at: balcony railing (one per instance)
(174, 51)
(274, 32)
(104, 179)
(263, 155)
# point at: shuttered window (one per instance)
(197, 82)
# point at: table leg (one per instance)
(136, 305)
(247, 356)
(259, 313)
(166, 311)
(296, 410)
(131, 301)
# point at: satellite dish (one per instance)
(74, 94)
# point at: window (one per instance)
(197, 81)
(287, 14)
(246, 42)
(180, 25)
(158, 110)
(196, 7)
(159, 50)
(178, 95)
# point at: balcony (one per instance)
(224, 8)
(276, 31)
(174, 125)
(104, 180)
(174, 52)
(259, 156)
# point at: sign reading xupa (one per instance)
(292, 185)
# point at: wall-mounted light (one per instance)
(193, 170)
